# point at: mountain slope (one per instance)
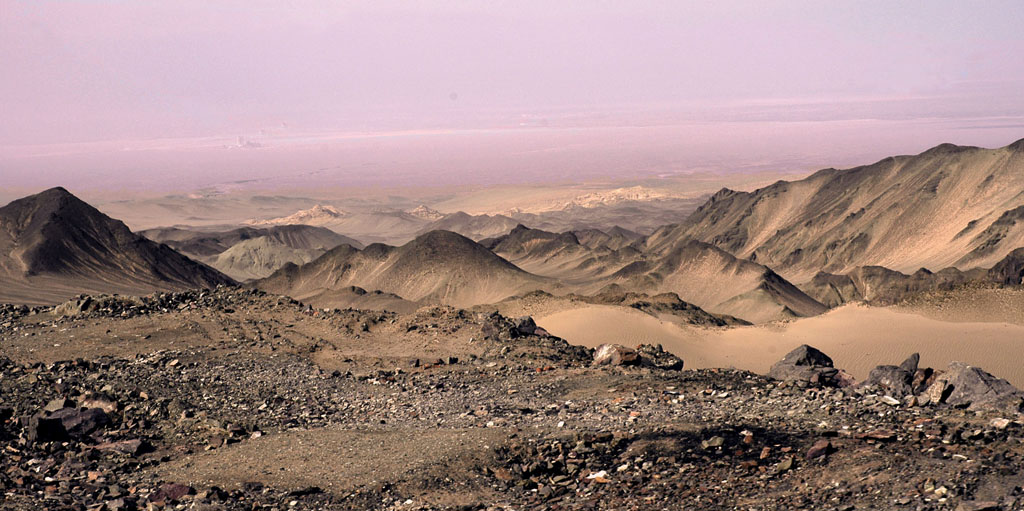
(559, 255)
(206, 244)
(697, 272)
(476, 227)
(947, 206)
(718, 282)
(438, 266)
(53, 246)
(614, 238)
(259, 257)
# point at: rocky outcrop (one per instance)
(653, 355)
(895, 381)
(806, 364)
(970, 387)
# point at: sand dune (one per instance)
(856, 337)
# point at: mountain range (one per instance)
(248, 252)
(438, 266)
(948, 217)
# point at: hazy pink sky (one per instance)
(102, 70)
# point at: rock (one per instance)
(923, 378)
(713, 442)
(970, 387)
(805, 363)
(57, 404)
(171, 492)
(910, 364)
(1000, 423)
(896, 381)
(889, 400)
(524, 326)
(132, 447)
(878, 434)
(844, 379)
(81, 422)
(653, 355)
(45, 429)
(819, 449)
(74, 307)
(616, 355)
(100, 401)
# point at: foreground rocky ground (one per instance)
(233, 399)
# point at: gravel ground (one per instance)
(263, 403)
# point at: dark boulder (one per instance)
(653, 355)
(171, 492)
(526, 326)
(45, 429)
(66, 424)
(896, 381)
(81, 422)
(808, 364)
(970, 387)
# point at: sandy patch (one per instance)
(856, 337)
(340, 460)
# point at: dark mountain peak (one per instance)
(48, 201)
(1017, 146)
(442, 238)
(446, 246)
(55, 192)
(722, 194)
(55, 233)
(1009, 270)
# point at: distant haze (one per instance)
(182, 94)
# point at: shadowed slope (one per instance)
(205, 244)
(53, 246)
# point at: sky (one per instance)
(97, 71)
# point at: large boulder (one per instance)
(526, 326)
(653, 355)
(896, 381)
(41, 428)
(65, 424)
(83, 304)
(806, 364)
(970, 387)
(615, 355)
